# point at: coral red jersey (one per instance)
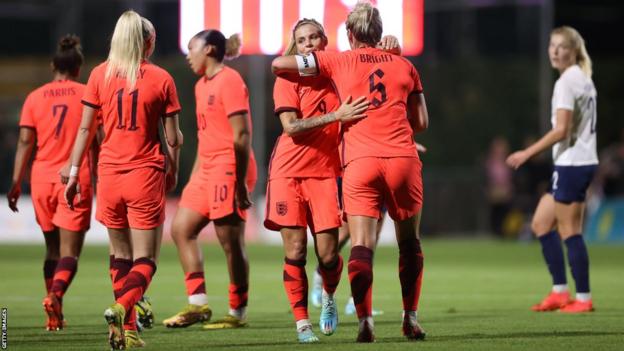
(54, 112)
(130, 117)
(219, 98)
(387, 80)
(313, 153)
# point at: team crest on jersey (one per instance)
(211, 99)
(281, 207)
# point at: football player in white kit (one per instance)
(559, 214)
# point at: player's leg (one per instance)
(296, 280)
(70, 247)
(52, 255)
(362, 229)
(116, 316)
(544, 225)
(569, 195)
(404, 199)
(54, 317)
(323, 217)
(42, 199)
(230, 231)
(570, 222)
(145, 250)
(362, 194)
(330, 268)
(185, 230)
(411, 262)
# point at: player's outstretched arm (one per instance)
(558, 133)
(25, 146)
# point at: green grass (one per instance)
(476, 296)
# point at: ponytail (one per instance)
(128, 47)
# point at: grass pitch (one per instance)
(476, 296)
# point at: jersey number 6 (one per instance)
(379, 87)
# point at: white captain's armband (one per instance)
(306, 65)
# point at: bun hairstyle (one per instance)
(128, 45)
(225, 48)
(68, 57)
(577, 43)
(291, 49)
(364, 23)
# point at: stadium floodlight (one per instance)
(265, 25)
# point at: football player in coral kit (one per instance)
(559, 214)
(380, 157)
(302, 190)
(51, 115)
(135, 97)
(223, 175)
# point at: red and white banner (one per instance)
(265, 25)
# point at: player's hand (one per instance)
(64, 173)
(72, 189)
(13, 195)
(421, 148)
(517, 159)
(390, 43)
(352, 110)
(242, 197)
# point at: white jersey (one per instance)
(575, 91)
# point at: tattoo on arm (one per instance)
(302, 125)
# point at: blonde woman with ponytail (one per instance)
(224, 173)
(135, 97)
(559, 214)
(380, 158)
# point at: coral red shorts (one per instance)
(51, 209)
(370, 182)
(302, 202)
(133, 199)
(211, 193)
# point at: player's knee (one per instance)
(296, 251)
(328, 258)
(539, 227)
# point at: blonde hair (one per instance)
(364, 23)
(291, 49)
(577, 43)
(128, 46)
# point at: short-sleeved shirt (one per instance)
(54, 112)
(217, 99)
(131, 116)
(387, 80)
(313, 153)
(575, 91)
